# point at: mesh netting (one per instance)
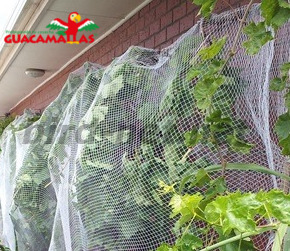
(8, 158)
(33, 205)
(87, 178)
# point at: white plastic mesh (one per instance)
(89, 181)
(61, 159)
(8, 158)
(33, 206)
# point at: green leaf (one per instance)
(164, 247)
(280, 18)
(184, 181)
(185, 205)
(192, 138)
(176, 204)
(99, 113)
(277, 84)
(207, 70)
(275, 12)
(287, 100)
(5, 122)
(214, 49)
(206, 8)
(282, 127)
(205, 90)
(194, 72)
(111, 89)
(269, 9)
(118, 137)
(201, 178)
(172, 154)
(284, 3)
(258, 36)
(233, 212)
(279, 236)
(189, 242)
(285, 68)
(217, 122)
(285, 144)
(215, 210)
(216, 116)
(277, 204)
(217, 186)
(238, 145)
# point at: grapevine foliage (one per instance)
(233, 216)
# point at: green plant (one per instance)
(282, 127)
(9, 155)
(4, 122)
(233, 217)
(126, 197)
(3, 248)
(137, 141)
(33, 206)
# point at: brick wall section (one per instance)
(156, 26)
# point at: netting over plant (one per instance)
(89, 178)
(8, 159)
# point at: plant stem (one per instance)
(232, 51)
(246, 167)
(232, 8)
(223, 162)
(187, 227)
(236, 238)
(186, 155)
(240, 242)
(206, 236)
(268, 214)
(241, 26)
(286, 170)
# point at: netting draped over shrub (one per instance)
(8, 159)
(85, 175)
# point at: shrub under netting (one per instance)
(85, 176)
(8, 158)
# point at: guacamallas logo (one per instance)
(67, 32)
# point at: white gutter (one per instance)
(12, 19)
(115, 27)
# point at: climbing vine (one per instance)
(221, 219)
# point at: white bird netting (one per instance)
(8, 170)
(85, 175)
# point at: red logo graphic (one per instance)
(69, 29)
(72, 27)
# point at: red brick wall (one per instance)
(157, 25)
